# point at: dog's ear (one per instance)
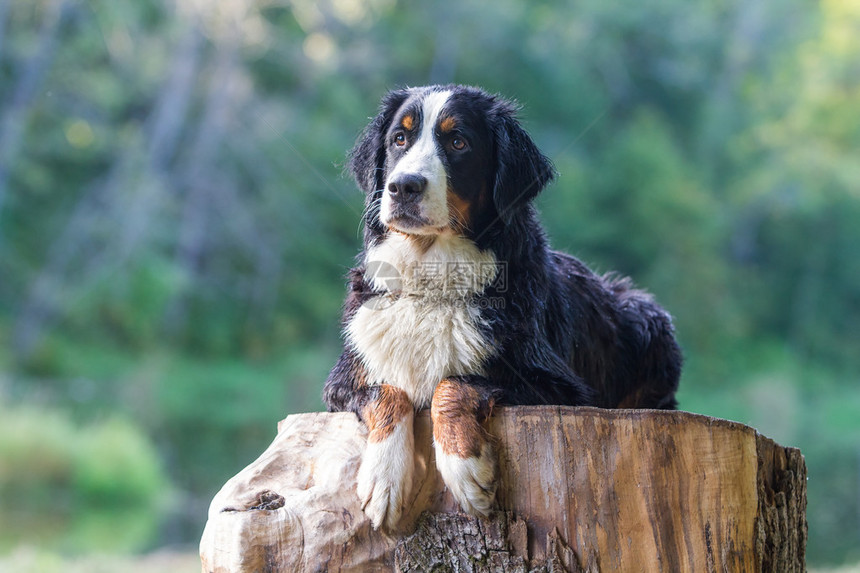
(521, 169)
(366, 161)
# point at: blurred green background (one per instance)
(175, 226)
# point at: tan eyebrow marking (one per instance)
(408, 122)
(448, 124)
(460, 211)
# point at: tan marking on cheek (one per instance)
(408, 122)
(457, 412)
(447, 124)
(459, 211)
(383, 414)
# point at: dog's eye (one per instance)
(400, 139)
(458, 143)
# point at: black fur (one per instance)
(521, 169)
(564, 335)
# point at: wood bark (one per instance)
(581, 489)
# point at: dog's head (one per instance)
(446, 159)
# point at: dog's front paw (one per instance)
(385, 476)
(472, 481)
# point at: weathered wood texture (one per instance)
(581, 489)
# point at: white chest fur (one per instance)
(427, 326)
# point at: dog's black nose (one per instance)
(407, 187)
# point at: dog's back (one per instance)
(624, 346)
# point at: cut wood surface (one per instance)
(582, 489)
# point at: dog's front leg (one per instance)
(385, 476)
(464, 451)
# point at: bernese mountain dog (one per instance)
(457, 302)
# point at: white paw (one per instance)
(472, 481)
(385, 476)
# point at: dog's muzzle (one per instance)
(406, 193)
(407, 188)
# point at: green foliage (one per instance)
(230, 408)
(32, 560)
(81, 487)
(116, 467)
(37, 459)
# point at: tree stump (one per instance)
(582, 489)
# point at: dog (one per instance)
(457, 303)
